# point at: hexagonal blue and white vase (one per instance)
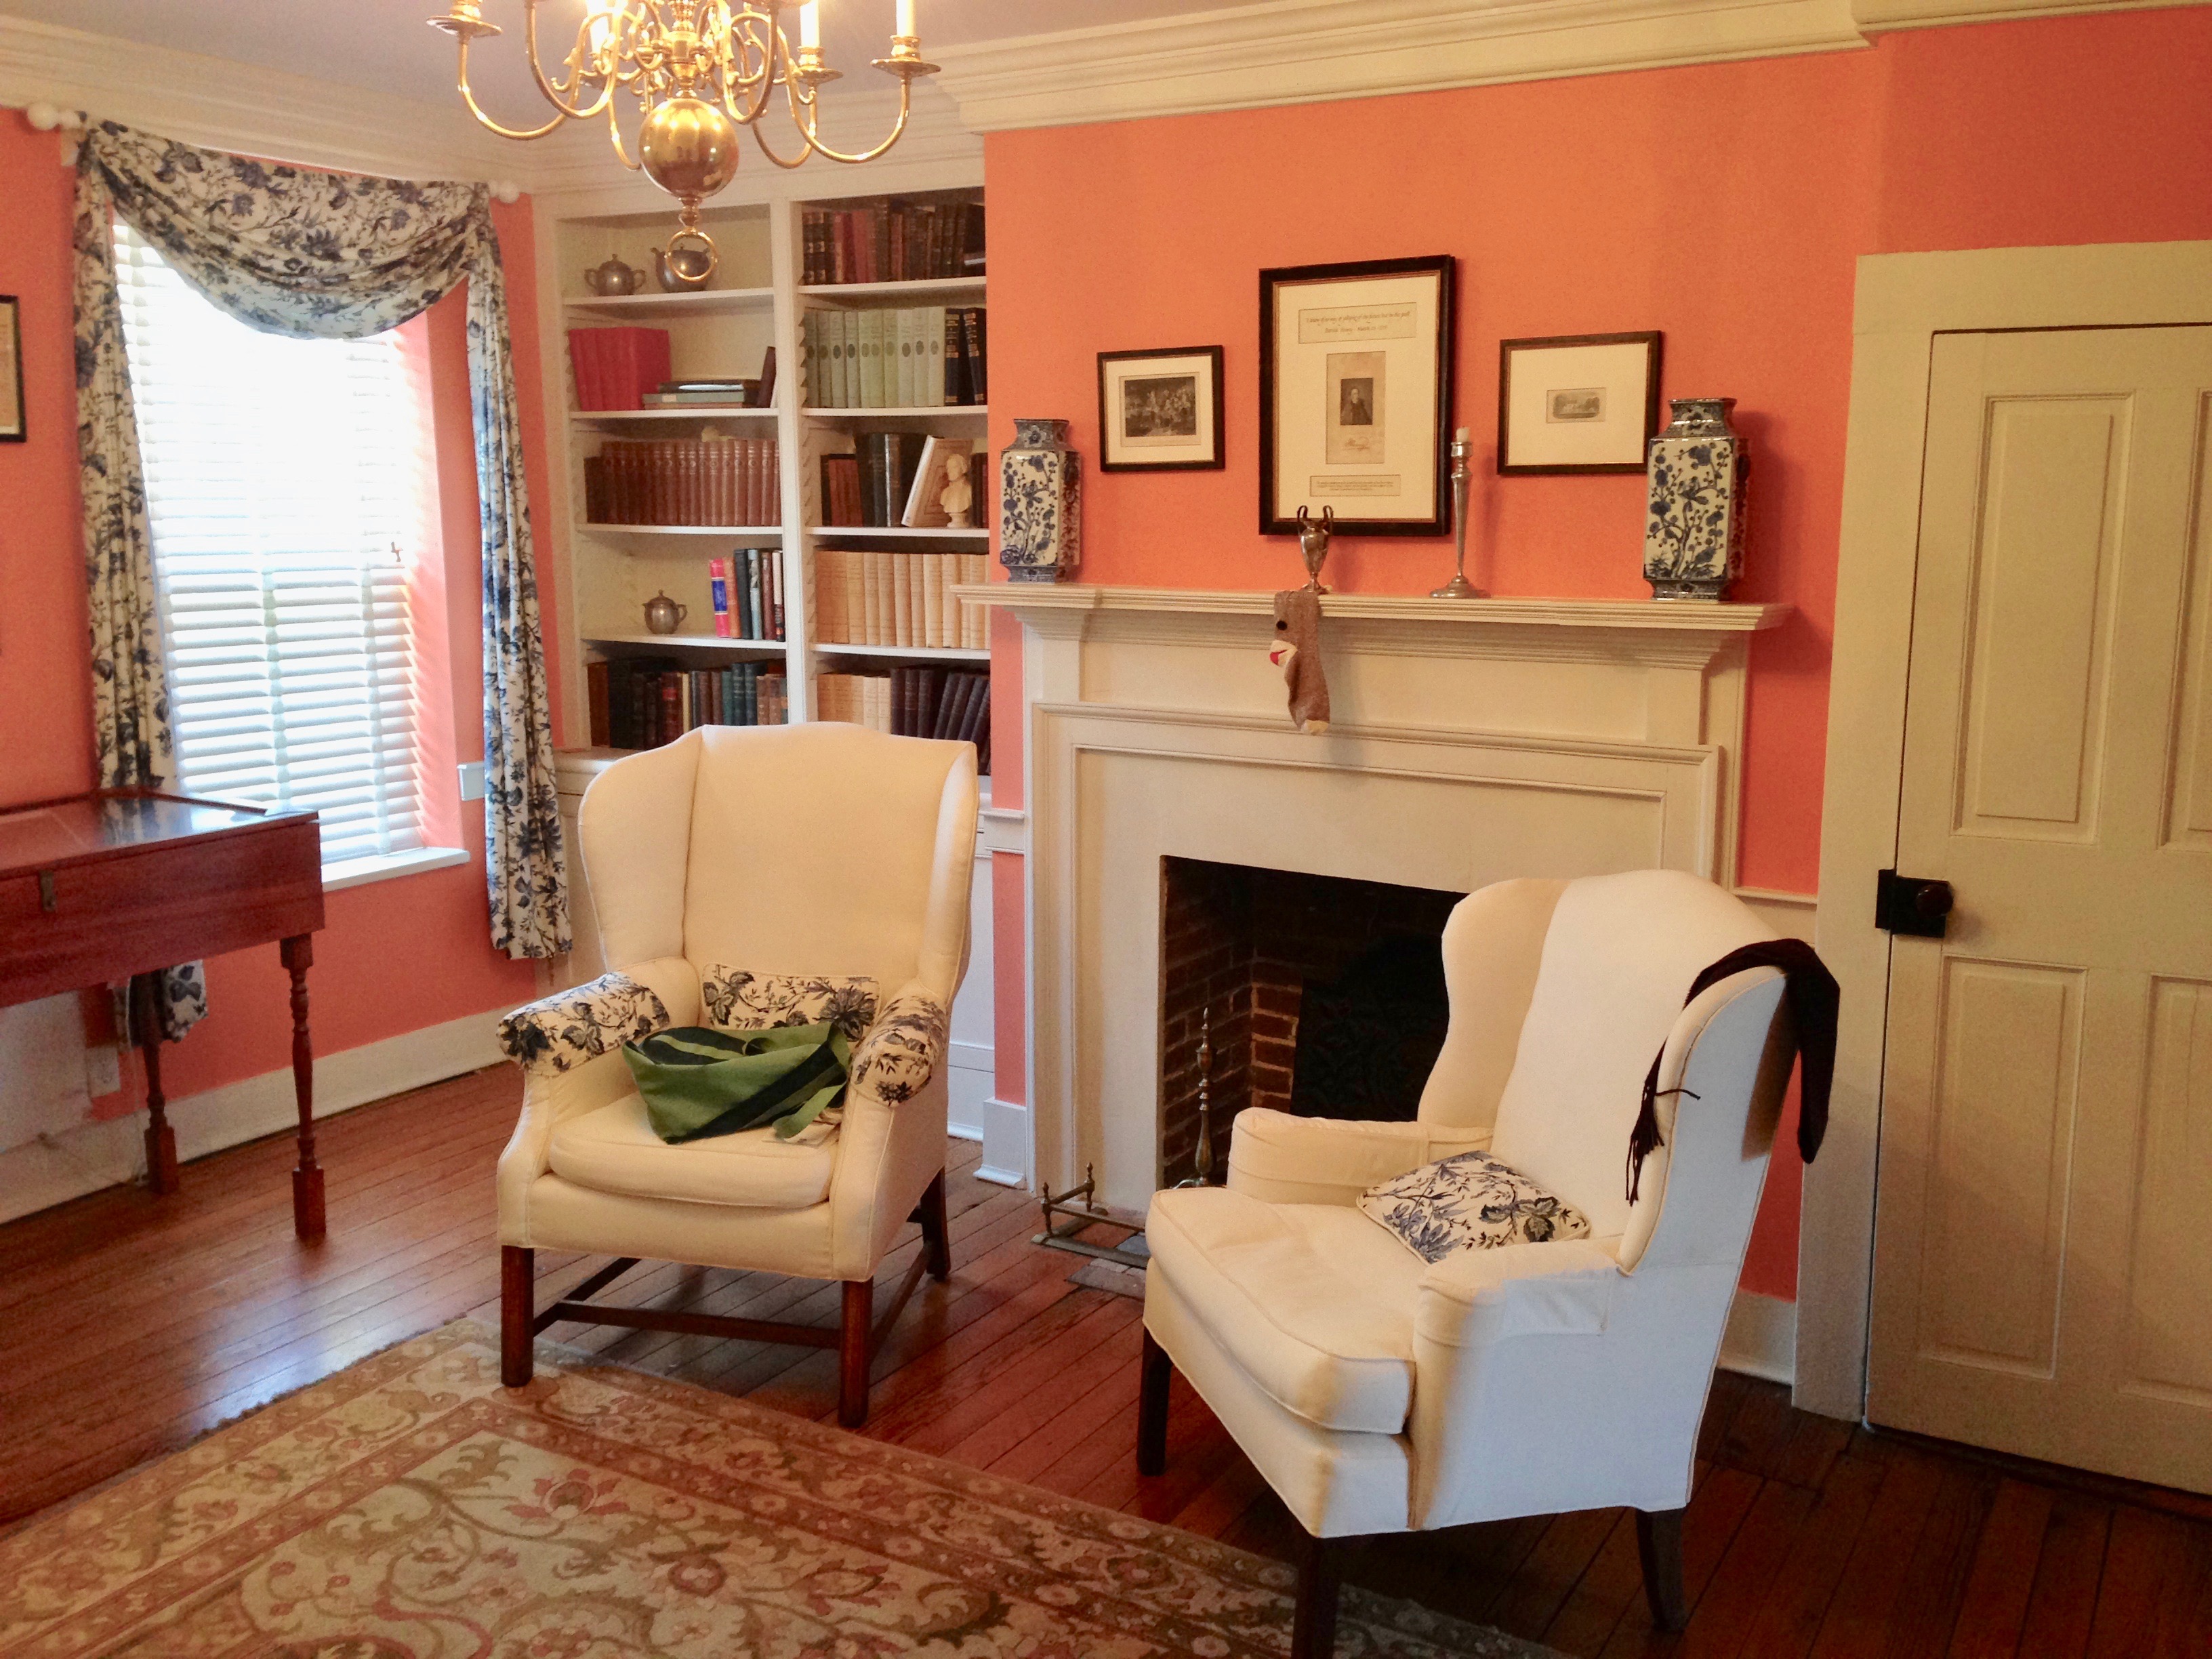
(1040, 504)
(1696, 470)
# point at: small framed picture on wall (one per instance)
(1356, 395)
(1577, 402)
(1160, 412)
(11, 370)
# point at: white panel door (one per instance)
(2042, 1258)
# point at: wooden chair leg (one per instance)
(1313, 1627)
(936, 1233)
(853, 1354)
(1152, 1409)
(518, 1311)
(1659, 1543)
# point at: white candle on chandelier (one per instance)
(810, 25)
(905, 25)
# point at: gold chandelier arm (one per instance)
(476, 109)
(614, 132)
(563, 95)
(905, 97)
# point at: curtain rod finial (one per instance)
(46, 118)
(507, 189)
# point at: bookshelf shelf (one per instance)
(707, 302)
(904, 653)
(758, 532)
(694, 642)
(924, 288)
(925, 412)
(903, 532)
(713, 412)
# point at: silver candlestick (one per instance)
(1459, 588)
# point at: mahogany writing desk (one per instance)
(123, 883)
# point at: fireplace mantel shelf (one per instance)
(1679, 617)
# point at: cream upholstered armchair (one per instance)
(746, 876)
(1378, 1394)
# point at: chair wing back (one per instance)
(1493, 944)
(1619, 958)
(826, 848)
(635, 831)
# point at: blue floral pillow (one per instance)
(1469, 1202)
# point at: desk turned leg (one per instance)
(160, 1138)
(299, 952)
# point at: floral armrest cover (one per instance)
(559, 1033)
(899, 1055)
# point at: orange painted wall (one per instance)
(1726, 204)
(396, 956)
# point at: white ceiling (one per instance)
(385, 46)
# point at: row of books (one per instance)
(683, 481)
(892, 241)
(746, 590)
(954, 705)
(642, 702)
(915, 357)
(900, 599)
(616, 367)
(897, 478)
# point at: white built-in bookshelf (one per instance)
(611, 571)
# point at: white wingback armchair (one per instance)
(769, 875)
(1378, 1394)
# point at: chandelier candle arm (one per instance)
(698, 70)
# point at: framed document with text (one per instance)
(11, 370)
(1356, 395)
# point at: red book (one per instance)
(584, 357)
(618, 366)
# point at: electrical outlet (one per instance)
(103, 1069)
(472, 780)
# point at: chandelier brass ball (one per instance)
(688, 148)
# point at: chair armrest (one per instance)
(1282, 1159)
(584, 1023)
(891, 1142)
(898, 1055)
(1473, 1297)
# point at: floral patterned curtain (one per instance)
(335, 256)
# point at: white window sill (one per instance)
(359, 872)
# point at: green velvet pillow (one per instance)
(698, 1081)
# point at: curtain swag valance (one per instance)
(330, 255)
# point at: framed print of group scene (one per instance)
(1160, 412)
(1355, 396)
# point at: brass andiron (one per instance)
(1313, 543)
(1202, 1158)
(1459, 588)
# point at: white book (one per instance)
(932, 391)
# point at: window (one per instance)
(282, 485)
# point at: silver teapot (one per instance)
(613, 278)
(686, 264)
(663, 615)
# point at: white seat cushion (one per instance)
(1315, 1301)
(615, 1150)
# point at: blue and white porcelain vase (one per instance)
(1040, 504)
(1693, 528)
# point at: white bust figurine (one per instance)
(959, 495)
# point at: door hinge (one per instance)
(1912, 905)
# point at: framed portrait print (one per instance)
(1159, 411)
(11, 370)
(1577, 402)
(1356, 395)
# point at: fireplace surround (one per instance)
(1472, 741)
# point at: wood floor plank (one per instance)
(1994, 1607)
(2063, 1602)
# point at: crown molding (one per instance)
(246, 108)
(1293, 51)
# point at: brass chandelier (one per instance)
(698, 70)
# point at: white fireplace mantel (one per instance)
(1471, 740)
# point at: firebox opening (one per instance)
(1318, 994)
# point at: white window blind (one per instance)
(281, 483)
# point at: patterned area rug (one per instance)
(410, 1508)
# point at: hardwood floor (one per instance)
(129, 1324)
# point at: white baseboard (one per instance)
(970, 1070)
(53, 1170)
(1006, 1144)
(1762, 1338)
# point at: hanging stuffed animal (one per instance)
(1297, 651)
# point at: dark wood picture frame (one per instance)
(1445, 268)
(1219, 457)
(1650, 339)
(14, 425)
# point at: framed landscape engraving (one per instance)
(11, 370)
(1159, 411)
(1577, 402)
(1356, 395)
